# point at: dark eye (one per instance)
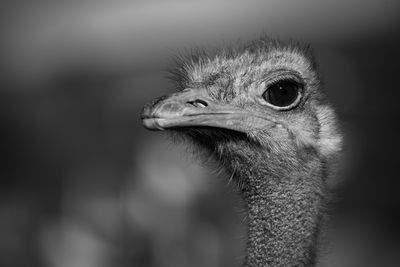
(282, 93)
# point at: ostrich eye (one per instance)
(283, 93)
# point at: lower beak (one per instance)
(194, 108)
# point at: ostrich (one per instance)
(260, 112)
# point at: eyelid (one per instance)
(271, 79)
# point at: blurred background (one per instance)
(84, 185)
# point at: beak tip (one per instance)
(151, 124)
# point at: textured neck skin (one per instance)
(284, 204)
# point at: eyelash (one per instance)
(277, 78)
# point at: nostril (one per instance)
(198, 103)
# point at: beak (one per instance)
(194, 108)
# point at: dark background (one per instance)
(83, 184)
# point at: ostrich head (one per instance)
(266, 95)
(260, 111)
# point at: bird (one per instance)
(260, 111)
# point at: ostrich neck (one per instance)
(284, 208)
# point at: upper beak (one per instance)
(194, 107)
